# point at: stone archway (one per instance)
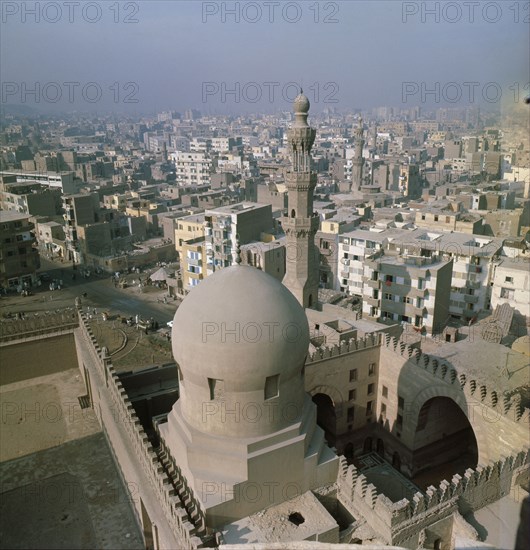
(473, 412)
(444, 442)
(324, 412)
(326, 416)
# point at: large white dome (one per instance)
(240, 323)
(237, 332)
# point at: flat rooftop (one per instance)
(273, 523)
(487, 362)
(59, 485)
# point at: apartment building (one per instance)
(193, 168)
(29, 198)
(408, 289)
(193, 262)
(473, 261)
(511, 285)
(188, 228)
(447, 219)
(244, 221)
(473, 258)
(266, 256)
(50, 236)
(79, 209)
(354, 248)
(19, 259)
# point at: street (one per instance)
(100, 294)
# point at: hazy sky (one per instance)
(181, 54)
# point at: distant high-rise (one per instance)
(358, 161)
(301, 224)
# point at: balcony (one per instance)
(371, 283)
(373, 264)
(194, 262)
(371, 301)
(472, 284)
(470, 298)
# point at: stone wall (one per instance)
(401, 522)
(328, 369)
(55, 352)
(38, 325)
(417, 377)
(142, 467)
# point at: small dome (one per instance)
(301, 103)
(240, 325)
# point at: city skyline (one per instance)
(148, 57)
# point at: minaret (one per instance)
(374, 140)
(301, 224)
(358, 161)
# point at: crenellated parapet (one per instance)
(181, 509)
(354, 344)
(38, 324)
(396, 521)
(473, 390)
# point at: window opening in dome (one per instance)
(272, 386)
(217, 389)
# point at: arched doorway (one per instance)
(326, 416)
(380, 448)
(444, 442)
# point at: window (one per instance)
(423, 217)
(352, 395)
(507, 293)
(401, 402)
(371, 369)
(370, 390)
(435, 217)
(399, 421)
(217, 388)
(383, 410)
(369, 408)
(385, 391)
(508, 280)
(353, 375)
(272, 386)
(351, 412)
(447, 219)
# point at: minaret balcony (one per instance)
(308, 224)
(301, 181)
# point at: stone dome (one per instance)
(240, 323)
(301, 103)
